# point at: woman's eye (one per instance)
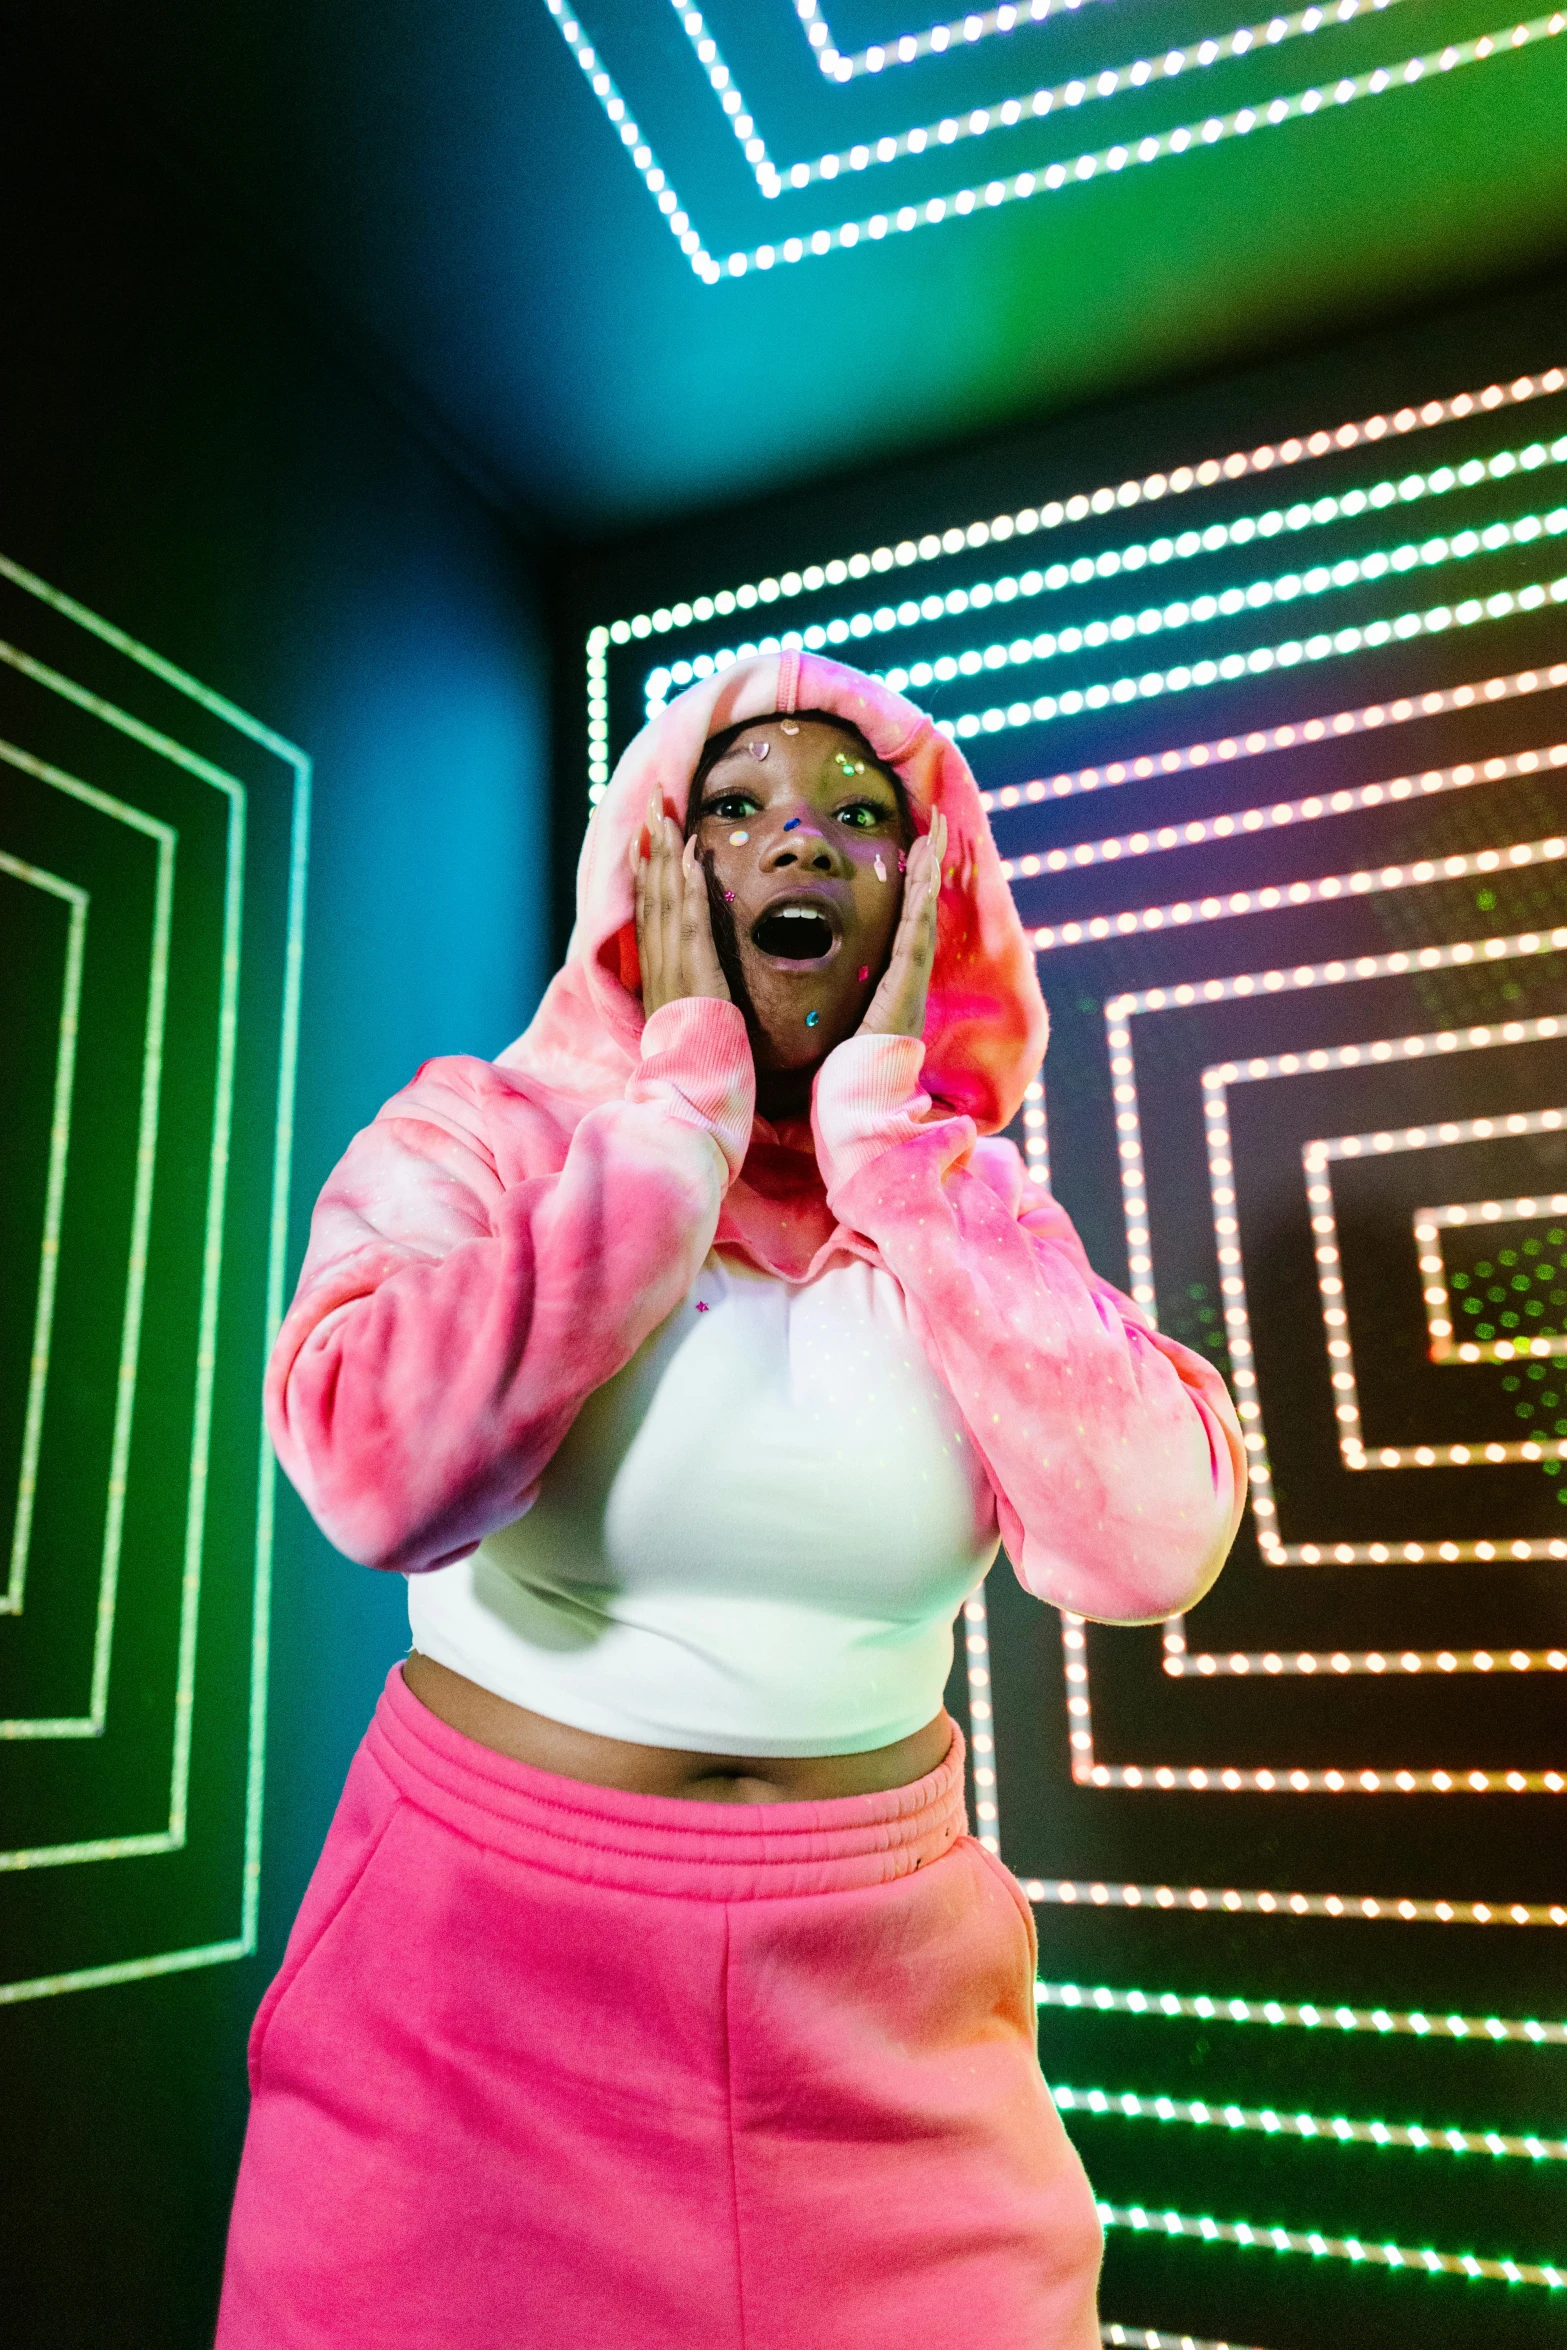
(864, 815)
(732, 807)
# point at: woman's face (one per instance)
(805, 841)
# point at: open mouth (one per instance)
(794, 934)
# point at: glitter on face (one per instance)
(793, 824)
(903, 861)
(865, 972)
(729, 897)
(881, 870)
(738, 839)
(759, 750)
(790, 726)
(811, 1019)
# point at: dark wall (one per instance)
(184, 452)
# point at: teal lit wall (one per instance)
(185, 453)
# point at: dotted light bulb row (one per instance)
(1429, 1225)
(1319, 1156)
(1436, 620)
(1240, 822)
(1119, 1012)
(1282, 1779)
(1183, 547)
(1321, 2247)
(1187, 138)
(1220, 2007)
(1036, 1133)
(1114, 81)
(1181, 1663)
(1243, 1901)
(1336, 2129)
(1194, 757)
(1401, 628)
(1272, 897)
(982, 1736)
(654, 178)
(934, 41)
(1068, 513)
(1119, 2337)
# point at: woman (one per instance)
(689, 1361)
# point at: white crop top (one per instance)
(753, 1540)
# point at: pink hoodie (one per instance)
(504, 1236)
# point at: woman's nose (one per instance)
(799, 841)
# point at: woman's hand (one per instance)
(898, 1006)
(674, 930)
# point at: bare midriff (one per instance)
(663, 1770)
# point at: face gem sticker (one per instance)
(793, 824)
(865, 972)
(812, 1018)
(903, 861)
(738, 840)
(702, 1306)
(729, 897)
(881, 870)
(759, 750)
(790, 727)
(849, 765)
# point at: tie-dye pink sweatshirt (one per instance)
(503, 1238)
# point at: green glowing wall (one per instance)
(1267, 683)
(272, 807)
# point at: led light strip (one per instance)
(1056, 514)
(1317, 1158)
(1435, 621)
(1268, 2239)
(982, 1735)
(1282, 1779)
(1238, 987)
(1235, 1901)
(1193, 757)
(1036, 1133)
(1128, 2105)
(1181, 1663)
(1115, 562)
(298, 764)
(1020, 187)
(1119, 1010)
(1243, 821)
(164, 839)
(1429, 1225)
(1283, 895)
(654, 178)
(1150, 2338)
(1114, 81)
(76, 901)
(1225, 2010)
(906, 47)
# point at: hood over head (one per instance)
(985, 1020)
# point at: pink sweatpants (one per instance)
(553, 2068)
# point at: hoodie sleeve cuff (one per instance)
(867, 1099)
(697, 1066)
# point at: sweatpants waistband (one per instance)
(662, 1843)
